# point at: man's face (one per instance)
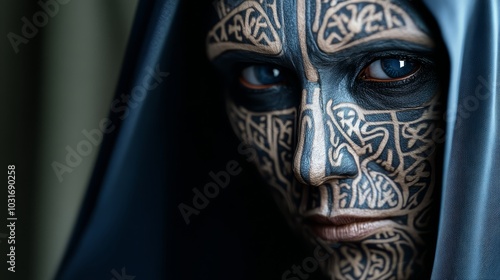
(339, 101)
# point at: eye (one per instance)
(261, 76)
(390, 69)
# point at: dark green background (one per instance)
(60, 83)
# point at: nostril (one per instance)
(339, 165)
(307, 172)
(342, 175)
(343, 164)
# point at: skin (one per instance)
(331, 139)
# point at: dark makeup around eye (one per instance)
(339, 77)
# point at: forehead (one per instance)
(271, 27)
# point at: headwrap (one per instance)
(468, 245)
(129, 223)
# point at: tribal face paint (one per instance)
(340, 102)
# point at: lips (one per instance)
(345, 228)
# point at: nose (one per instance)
(320, 155)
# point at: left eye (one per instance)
(261, 76)
(390, 69)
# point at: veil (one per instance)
(468, 238)
(129, 224)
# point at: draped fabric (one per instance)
(122, 229)
(468, 245)
(124, 222)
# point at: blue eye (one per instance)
(390, 69)
(261, 76)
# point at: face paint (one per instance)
(246, 27)
(348, 149)
(343, 24)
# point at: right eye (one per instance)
(261, 76)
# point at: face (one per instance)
(339, 101)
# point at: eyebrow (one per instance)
(414, 37)
(247, 28)
(217, 49)
(342, 27)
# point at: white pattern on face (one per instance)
(370, 171)
(392, 175)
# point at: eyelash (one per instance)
(361, 76)
(378, 65)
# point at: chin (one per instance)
(361, 243)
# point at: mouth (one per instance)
(346, 228)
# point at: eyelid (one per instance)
(261, 76)
(252, 86)
(363, 75)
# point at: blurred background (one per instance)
(53, 85)
(59, 67)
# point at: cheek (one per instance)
(394, 153)
(270, 138)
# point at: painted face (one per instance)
(339, 101)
